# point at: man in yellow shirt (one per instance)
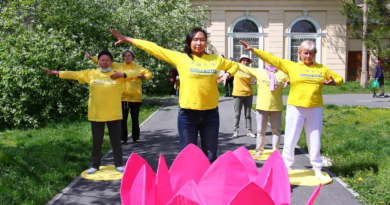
(132, 93)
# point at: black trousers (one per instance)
(114, 131)
(134, 108)
(229, 83)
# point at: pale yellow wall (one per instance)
(217, 37)
(336, 52)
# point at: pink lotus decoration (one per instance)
(232, 179)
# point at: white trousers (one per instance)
(262, 120)
(295, 118)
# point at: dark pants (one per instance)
(134, 108)
(114, 131)
(382, 85)
(206, 123)
(173, 91)
(229, 82)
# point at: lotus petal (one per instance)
(163, 183)
(190, 164)
(251, 194)
(247, 160)
(144, 188)
(280, 190)
(314, 195)
(181, 200)
(133, 165)
(225, 177)
(189, 191)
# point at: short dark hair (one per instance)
(128, 51)
(105, 53)
(190, 36)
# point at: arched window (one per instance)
(242, 28)
(302, 29)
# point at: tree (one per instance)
(54, 34)
(377, 38)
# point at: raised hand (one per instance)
(117, 75)
(247, 46)
(86, 54)
(223, 78)
(286, 84)
(121, 38)
(329, 82)
(50, 72)
(142, 76)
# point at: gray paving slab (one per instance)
(159, 135)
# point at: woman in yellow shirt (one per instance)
(104, 105)
(132, 93)
(269, 103)
(198, 95)
(304, 104)
(243, 96)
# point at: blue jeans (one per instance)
(206, 122)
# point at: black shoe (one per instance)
(230, 95)
(123, 142)
(136, 142)
(226, 96)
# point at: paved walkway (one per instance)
(159, 136)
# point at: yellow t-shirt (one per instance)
(132, 89)
(242, 84)
(306, 82)
(198, 76)
(267, 100)
(105, 94)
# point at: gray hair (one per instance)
(307, 45)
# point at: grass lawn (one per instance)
(357, 139)
(36, 164)
(345, 88)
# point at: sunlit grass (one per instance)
(357, 139)
(36, 164)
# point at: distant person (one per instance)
(229, 83)
(199, 95)
(177, 86)
(243, 97)
(172, 79)
(132, 94)
(380, 77)
(104, 105)
(305, 103)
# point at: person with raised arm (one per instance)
(104, 105)
(198, 95)
(132, 93)
(304, 104)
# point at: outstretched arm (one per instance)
(86, 54)
(50, 72)
(121, 38)
(151, 48)
(281, 64)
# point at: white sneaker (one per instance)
(250, 134)
(235, 134)
(120, 169)
(92, 170)
(319, 175)
(258, 153)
